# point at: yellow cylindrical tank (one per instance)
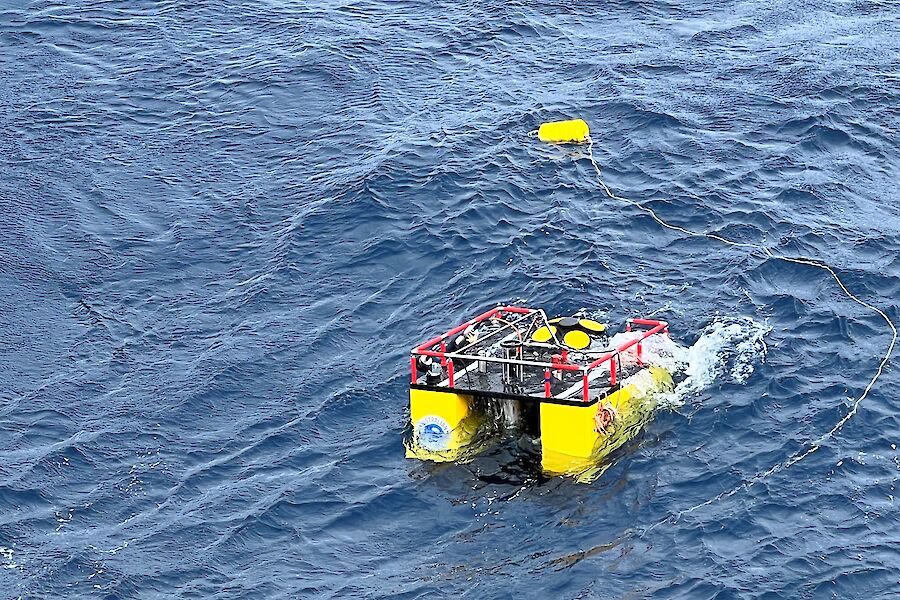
(570, 443)
(444, 424)
(564, 132)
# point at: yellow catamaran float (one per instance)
(579, 397)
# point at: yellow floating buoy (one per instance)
(577, 340)
(543, 334)
(592, 326)
(564, 132)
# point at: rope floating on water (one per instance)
(816, 444)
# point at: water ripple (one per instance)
(225, 226)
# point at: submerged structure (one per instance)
(578, 392)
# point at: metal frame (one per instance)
(589, 371)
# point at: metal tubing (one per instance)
(428, 344)
(458, 328)
(482, 317)
(447, 358)
(517, 309)
(585, 395)
(565, 367)
(509, 324)
(652, 322)
(497, 359)
(547, 383)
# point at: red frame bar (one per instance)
(559, 366)
(482, 317)
(601, 360)
(655, 327)
(652, 322)
(658, 326)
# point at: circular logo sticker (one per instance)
(433, 433)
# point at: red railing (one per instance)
(422, 348)
(558, 363)
(657, 326)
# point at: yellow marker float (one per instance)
(575, 131)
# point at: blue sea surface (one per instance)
(224, 225)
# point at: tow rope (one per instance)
(577, 131)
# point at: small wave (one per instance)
(7, 555)
(731, 34)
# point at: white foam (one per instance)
(727, 350)
(7, 555)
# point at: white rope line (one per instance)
(816, 444)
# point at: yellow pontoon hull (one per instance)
(445, 425)
(570, 442)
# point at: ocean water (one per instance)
(224, 225)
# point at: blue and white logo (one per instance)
(433, 433)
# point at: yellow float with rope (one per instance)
(573, 131)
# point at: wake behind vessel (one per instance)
(574, 389)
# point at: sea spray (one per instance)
(727, 350)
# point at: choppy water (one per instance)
(224, 226)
